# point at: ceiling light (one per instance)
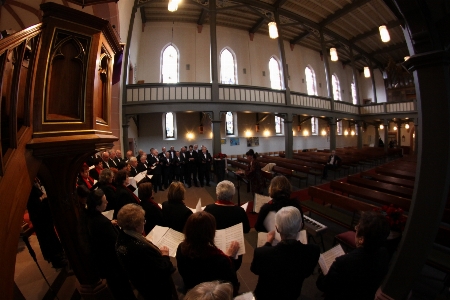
(384, 33)
(333, 54)
(406, 58)
(273, 31)
(407, 126)
(173, 5)
(381, 126)
(366, 72)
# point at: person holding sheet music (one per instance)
(124, 194)
(102, 237)
(84, 178)
(359, 273)
(253, 173)
(95, 172)
(105, 183)
(283, 268)
(153, 212)
(133, 164)
(148, 267)
(142, 165)
(155, 167)
(174, 210)
(199, 260)
(226, 213)
(280, 191)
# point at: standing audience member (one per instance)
(119, 158)
(142, 166)
(359, 273)
(42, 220)
(129, 155)
(174, 211)
(124, 194)
(199, 260)
(112, 159)
(226, 213)
(184, 166)
(332, 164)
(153, 212)
(283, 268)
(148, 267)
(253, 173)
(213, 290)
(102, 236)
(204, 159)
(280, 191)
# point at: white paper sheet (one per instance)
(108, 214)
(259, 201)
(262, 238)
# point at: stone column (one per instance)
(377, 134)
(374, 87)
(289, 136)
(328, 76)
(213, 47)
(332, 123)
(399, 134)
(360, 134)
(215, 124)
(125, 127)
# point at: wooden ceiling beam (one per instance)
(342, 12)
(389, 49)
(257, 25)
(302, 36)
(202, 17)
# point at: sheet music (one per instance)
(132, 181)
(260, 200)
(262, 238)
(224, 237)
(108, 214)
(244, 206)
(199, 205)
(91, 167)
(165, 236)
(269, 221)
(246, 296)
(140, 176)
(326, 259)
(160, 205)
(136, 193)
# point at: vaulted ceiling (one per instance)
(345, 24)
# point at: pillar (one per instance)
(125, 127)
(328, 75)
(386, 135)
(377, 134)
(399, 134)
(416, 137)
(215, 124)
(288, 135)
(284, 71)
(332, 123)
(213, 47)
(374, 87)
(360, 135)
(355, 77)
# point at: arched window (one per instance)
(169, 67)
(279, 125)
(169, 121)
(336, 87)
(229, 123)
(275, 74)
(355, 100)
(314, 126)
(310, 81)
(227, 67)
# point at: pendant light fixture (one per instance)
(384, 33)
(366, 72)
(333, 54)
(273, 30)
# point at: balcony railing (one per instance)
(201, 92)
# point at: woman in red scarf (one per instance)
(84, 178)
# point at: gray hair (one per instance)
(133, 158)
(131, 216)
(288, 221)
(213, 290)
(225, 190)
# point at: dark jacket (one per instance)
(337, 160)
(356, 275)
(282, 269)
(175, 215)
(148, 270)
(153, 215)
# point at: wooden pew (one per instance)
(396, 173)
(352, 206)
(389, 179)
(371, 195)
(381, 186)
(298, 166)
(289, 173)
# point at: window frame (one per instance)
(339, 127)
(314, 84)
(281, 122)
(335, 83)
(233, 114)
(164, 117)
(274, 58)
(314, 123)
(233, 55)
(162, 63)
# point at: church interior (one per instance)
(292, 80)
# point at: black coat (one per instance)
(175, 215)
(282, 269)
(153, 215)
(274, 205)
(148, 270)
(154, 162)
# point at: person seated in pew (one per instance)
(199, 260)
(333, 163)
(359, 273)
(148, 267)
(153, 212)
(102, 239)
(175, 212)
(280, 191)
(213, 290)
(105, 183)
(283, 268)
(84, 178)
(95, 172)
(226, 213)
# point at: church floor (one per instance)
(31, 285)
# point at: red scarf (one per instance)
(225, 202)
(89, 181)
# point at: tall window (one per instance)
(169, 68)
(227, 67)
(314, 126)
(275, 74)
(229, 121)
(355, 100)
(336, 87)
(310, 81)
(356, 129)
(339, 127)
(279, 125)
(169, 121)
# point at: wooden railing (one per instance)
(201, 92)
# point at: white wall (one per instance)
(365, 87)
(151, 134)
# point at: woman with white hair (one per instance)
(227, 213)
(211, 290)
(287, 264)
(148, 267)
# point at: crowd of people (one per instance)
(126, 259)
